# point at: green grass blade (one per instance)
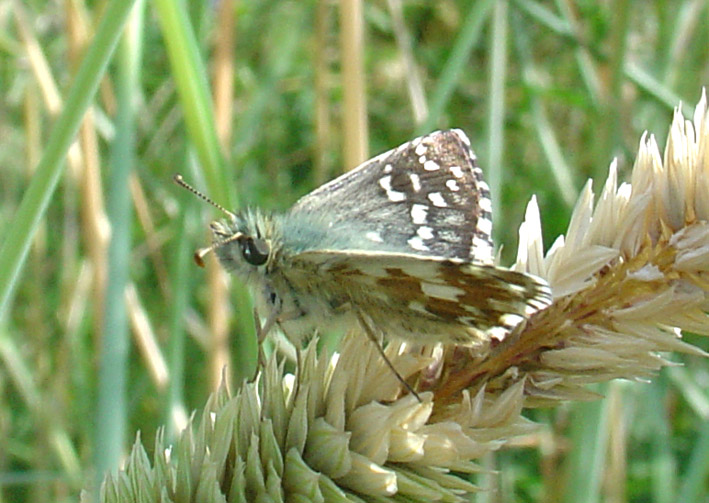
(34, 203)
(456, 65)
(588, 434)
(111, 412)
(179, 273)
(545, 17)
(21, 376)
(693, 487)
(496, 103)
(560, 169)
(662, 462)
(663, 94)
(189, 72)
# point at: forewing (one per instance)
(426, 197)
(488, 299)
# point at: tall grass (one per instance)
(255, 103)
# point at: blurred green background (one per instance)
(256, 103)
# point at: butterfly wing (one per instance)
(426, 299)
(426, 197)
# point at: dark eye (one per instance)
(255, 251)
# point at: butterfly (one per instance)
(400, 246)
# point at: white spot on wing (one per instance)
(485, 226)
(478, 241)
(415, 181)
(460, 134)
(417, 244)
(498, 333)
(388, 168)
(437, 199)
(393, 195)
(511, 320)
(419, 212)
(430, 165)
(485, 204)
(425, 232)
(374, 236)
(445, 292)
(420, 148)
(452, 185)
(517, 288)
(457, 171)
(372, 270)
(482, 250)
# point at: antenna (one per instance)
(177, 178)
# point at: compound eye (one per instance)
(255, 251)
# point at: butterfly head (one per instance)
(241, 243)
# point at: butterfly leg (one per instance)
(275, 316)
(372, 337)
(285, 317)
(260, 335)
(262, 332)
